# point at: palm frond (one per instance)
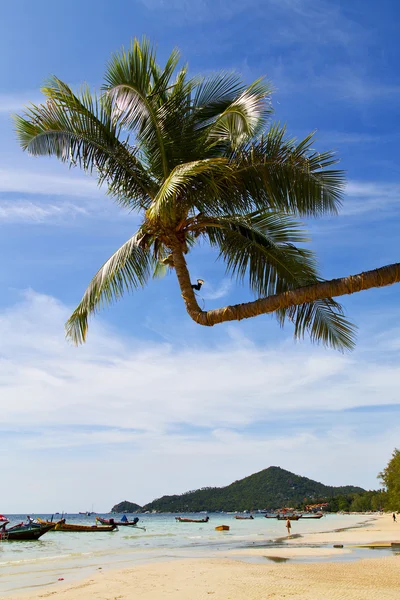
(128, 268)
(283, 174)
(324, 321)
(171, 195)
(216, 92)
(261, 249)
(243, 118)
(78, 130)
(139, 91)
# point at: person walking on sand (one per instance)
(288, 526)
(394, 517)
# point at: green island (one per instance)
(270, 488)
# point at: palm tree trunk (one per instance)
(327, 289)
(185, 284)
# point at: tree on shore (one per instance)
(200, 160)
(390, 478)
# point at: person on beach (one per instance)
(394, 517)
(288, 526)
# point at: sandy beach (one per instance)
(230, 578)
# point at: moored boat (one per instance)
(184, 520)
(23, 532)
(222, 528)
(290, 517)
(316, 516)
(63, 526)
(121, 523)
(244, 518)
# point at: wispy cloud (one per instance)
(20, 180)
(379, 198)
(211, 292)
(349, 137)
(30, 212)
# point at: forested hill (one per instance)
(271, 488)
(126, 507)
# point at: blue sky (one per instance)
(152, 393)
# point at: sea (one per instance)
(68, 556)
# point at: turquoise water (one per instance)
(27, 565)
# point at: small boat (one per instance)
(51, 523)
(290, 517)
(63, 526)
(271, 516)
(23, 532)
(184, 520)
(242, 518)
(222, 528)
(120, 523)
(317, 516)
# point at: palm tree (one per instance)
(200, 159)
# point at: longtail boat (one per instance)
(184, 520)
(317, 516)
(120, 523)
(271, 516)
(243, 518)
(51, 523)
(290, 517)
(22, 532)
(63, 526)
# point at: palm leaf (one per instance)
(324, 321)
(261, 249)
(281, 174)
(139, 91)
(171, 196)
(78, 130)
(243, 118)
(128, 268)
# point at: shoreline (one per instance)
(248, 572)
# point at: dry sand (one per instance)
(230, 579)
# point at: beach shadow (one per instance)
(277, 559)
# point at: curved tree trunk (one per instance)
(327, 289)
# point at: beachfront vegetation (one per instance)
(201, 160)
(390, 478)
(374, 500)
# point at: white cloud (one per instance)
(371, 196)
(33, 212)
(120, 401)
(356, 137)
(210, 292)
(19, 180)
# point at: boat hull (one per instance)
(84, 528)
(24, 533)
(118, 523)
(184, 520)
